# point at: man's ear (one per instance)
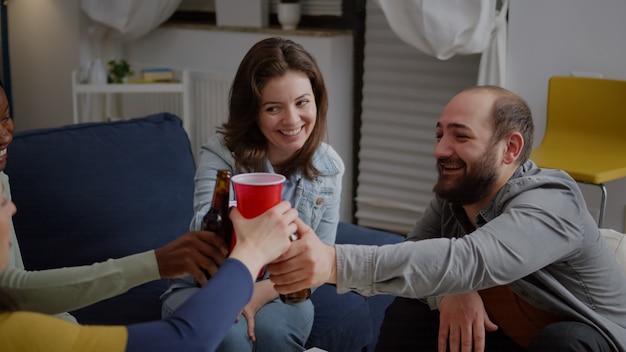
(514, 146)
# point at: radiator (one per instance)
(209, 93)
(208, 99)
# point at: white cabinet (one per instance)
(108, 90)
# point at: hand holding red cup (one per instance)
(255, 193)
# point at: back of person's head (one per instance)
(510, 113)
(271, 58)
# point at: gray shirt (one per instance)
(536, 236)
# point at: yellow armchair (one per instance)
(585, 131)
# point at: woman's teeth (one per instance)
(291, 132)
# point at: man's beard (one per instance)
(470, 188)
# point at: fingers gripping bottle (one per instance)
(298, 296)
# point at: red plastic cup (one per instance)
(256, 192)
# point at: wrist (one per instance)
(251, 259)
(157, 255)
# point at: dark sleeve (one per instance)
(203, 320)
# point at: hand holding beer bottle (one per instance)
(298, 296)
(216, 219)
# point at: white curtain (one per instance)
(444, 28)
(129, 19)
(110, 24)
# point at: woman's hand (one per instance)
(265, 237)
(263, 293)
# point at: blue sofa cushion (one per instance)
(354, 234)
(93, 191)
(341, 321)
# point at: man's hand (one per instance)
(463, 320)
(190, 252)
(307, 263)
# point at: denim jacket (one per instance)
(536, 236)
(317, 200)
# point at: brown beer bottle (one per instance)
(298, 296)
(216, 219)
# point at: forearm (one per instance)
(265, 291)
(447, 266)
(59, 290)
(204, 319)
(408, 269)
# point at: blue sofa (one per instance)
(94, 191)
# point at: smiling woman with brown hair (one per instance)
(277, 124)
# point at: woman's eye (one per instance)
(302, 102)
(271, 109)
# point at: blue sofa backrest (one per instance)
(93, 191)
